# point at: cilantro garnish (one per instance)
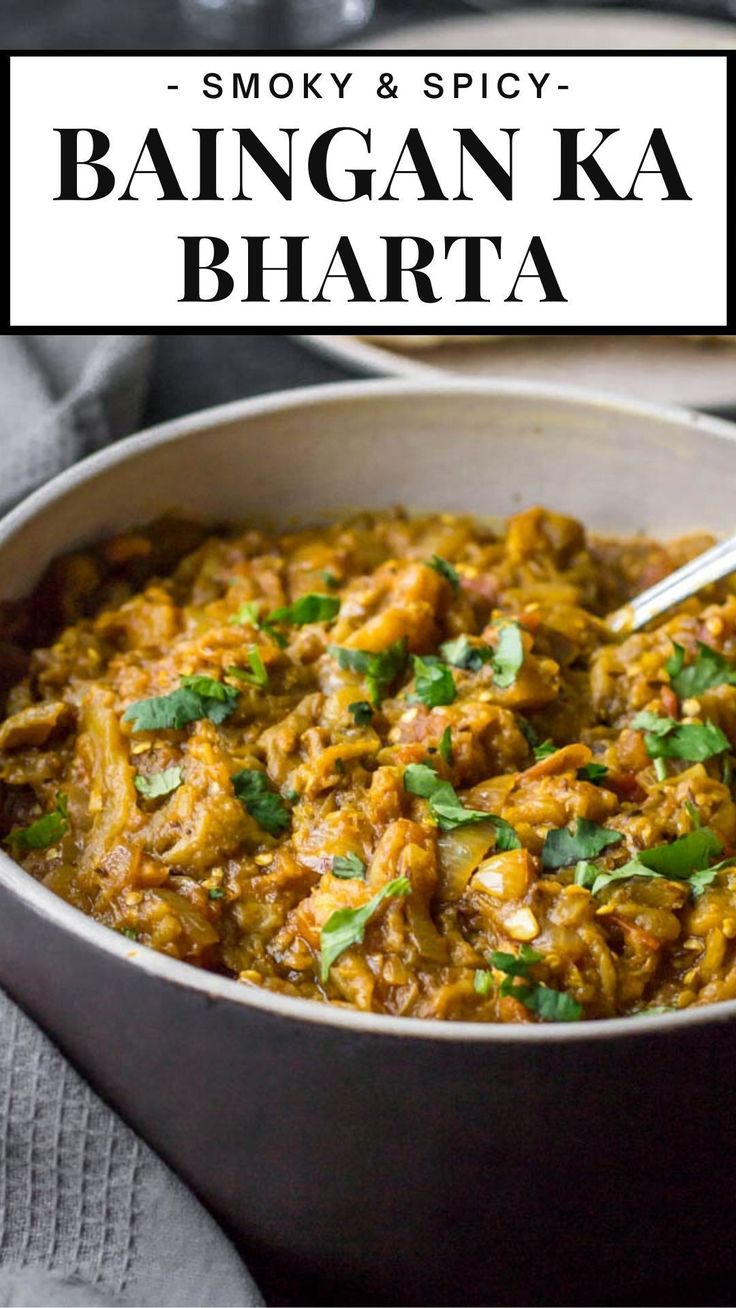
(264, 805)
(508, 656)
(445, 747)
(667, 738)
(544, 750)
(505, 660)
(330, 580)
(708, 669)
(308, 608)
(248, 615)
(348, 866)
(159, 783)
(445, 570)
(444, 805)
(346, 926)
(198, 697)
(435, 684)
(362, 712)
(462, 654)
(563, 846)
(548, 1004)
(45, 831)
(686, 859)
(130, 932)
(379, 669)
(593, 772)
(258, 675)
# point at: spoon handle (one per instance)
(701, 571)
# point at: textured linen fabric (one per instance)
(89, 1215)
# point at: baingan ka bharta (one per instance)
(395, 763)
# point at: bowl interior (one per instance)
(482, 447)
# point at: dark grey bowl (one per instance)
(377, 1160)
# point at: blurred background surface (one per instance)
(196, 24)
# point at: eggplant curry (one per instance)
(396, 763)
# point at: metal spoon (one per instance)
(701, 571)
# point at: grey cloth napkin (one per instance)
(89, 1215)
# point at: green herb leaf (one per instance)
(422, 780)
(592, 772)
(346, 926)
(544, 750)
(258, 675)
(667, 738)
(45, 831)
(562, 847)
(684, 859)
(445, 747)
(348, 866)
(445, 570)
(199, 697)
(462, 654)
(247, 614)
(508, 656)
(585, 874)
(330, 580)
(362, 712)
(515, 964)
(130, 932)
(308, 608)
(708, 669)
(435, 684)
(482, 981)
(216, 893)
(159, 783)
(551, 1005)
(506, 837)
(264, 805)
(379, 669)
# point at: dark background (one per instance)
(156, 24)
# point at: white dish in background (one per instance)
(561, 29)
(664, 369)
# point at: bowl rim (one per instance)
(45, 904)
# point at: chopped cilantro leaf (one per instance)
(708, 669)
(348, 866)
(247, 614)
(482, 981)
(216, 893)
(435, 684)
(346, 926)
(685, 859)
(667, 738)
(379, 669)
(45, 831)
(258, 675)
(562, 846)
(308, 608)
(544, 750)
(330, 580)
(462, 654)
(159, 783)
(445, 747)
(593, 772)
(508, 656)
(130, 932)
(445, 570)
(198, 697)
(445, 807)
(548, 1004)
(362, 712)
(264, 805)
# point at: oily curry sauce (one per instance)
(395, 763)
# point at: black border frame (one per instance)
(356, 330)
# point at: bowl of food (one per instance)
(356, 862)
